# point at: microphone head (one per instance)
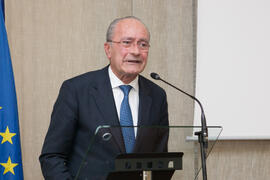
(155, 76)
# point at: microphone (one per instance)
(155, 76)
(203, 134)
(203, 119)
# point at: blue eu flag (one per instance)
(10, 148)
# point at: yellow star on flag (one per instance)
(7, 136)
(0, 107)
(9, 166)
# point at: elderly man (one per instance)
(115, 95)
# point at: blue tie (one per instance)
(126, 120)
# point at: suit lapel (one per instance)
(103, 95)
(145, 103)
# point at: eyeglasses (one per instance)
(126, 43)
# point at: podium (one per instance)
(160, 152)
(146, 166)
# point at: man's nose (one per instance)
(134, 49)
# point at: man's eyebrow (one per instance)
(131, 38)
(143, 39)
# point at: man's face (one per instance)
(127, 62)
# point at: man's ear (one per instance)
(107, 48)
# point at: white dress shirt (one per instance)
(119, 95)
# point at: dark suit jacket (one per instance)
(86, 102)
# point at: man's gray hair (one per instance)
(110, 30)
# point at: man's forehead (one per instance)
(130, 26)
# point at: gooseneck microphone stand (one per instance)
(202, 134)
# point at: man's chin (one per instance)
(134, 70)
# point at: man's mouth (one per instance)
(133, 61)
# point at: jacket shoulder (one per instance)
(151, 86)
(85, 79)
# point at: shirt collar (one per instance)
(116, 82)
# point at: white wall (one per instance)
(233, 59)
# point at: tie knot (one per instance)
(125, 89)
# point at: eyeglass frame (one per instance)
(121, 42)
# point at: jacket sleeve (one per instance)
(58, 141)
